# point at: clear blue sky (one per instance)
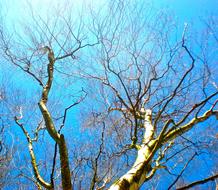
(183, 9)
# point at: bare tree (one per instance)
(33, 64)
(151, 80)
(145, 95)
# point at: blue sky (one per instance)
(183, 9)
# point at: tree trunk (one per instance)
(137, 175)
(65, 169)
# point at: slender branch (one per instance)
(180, 82)
(33, 158)
(181, 130)
(33, 180)
(199, 182)
(53, 164)
(71, 54)
(158, 165)
(182, 171)
(95, 167)
(67, 109)
(26, 70)
(195, 107)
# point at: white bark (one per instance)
(136, 176)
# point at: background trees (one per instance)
(116, 98)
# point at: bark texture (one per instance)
(137, 175)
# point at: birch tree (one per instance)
(143, 88)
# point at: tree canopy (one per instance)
(119, 97)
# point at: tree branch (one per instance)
(181, 130)
(199, 182)
(182, 171)
(33, 158)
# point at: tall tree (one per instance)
(146, 94)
